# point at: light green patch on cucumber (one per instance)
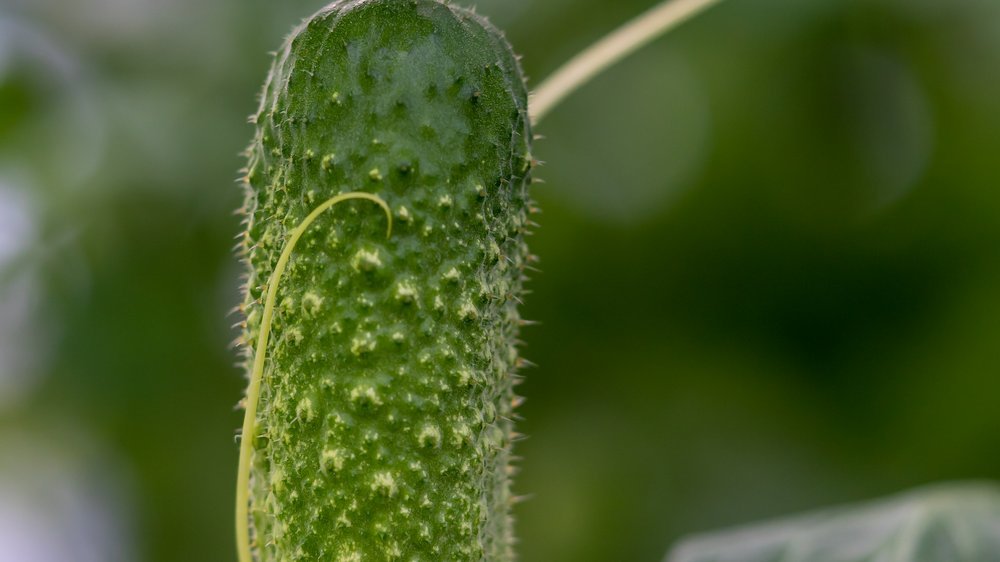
(382, 428)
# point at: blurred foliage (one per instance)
(940, 523)
(771, 276)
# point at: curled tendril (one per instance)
(260, 354)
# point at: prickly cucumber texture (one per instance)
(382, 424)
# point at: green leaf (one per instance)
(944, 523)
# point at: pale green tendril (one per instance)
(260, 352)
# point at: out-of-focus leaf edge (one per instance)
(954, 522)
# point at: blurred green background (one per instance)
(770, 254)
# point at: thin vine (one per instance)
(611, 49)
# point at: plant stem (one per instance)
(612, 48)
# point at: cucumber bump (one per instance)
(380, 427)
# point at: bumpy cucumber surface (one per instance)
(382, 429)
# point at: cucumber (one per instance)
(379, 410)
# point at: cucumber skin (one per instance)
(383, 428)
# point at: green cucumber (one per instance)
(381, 370)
